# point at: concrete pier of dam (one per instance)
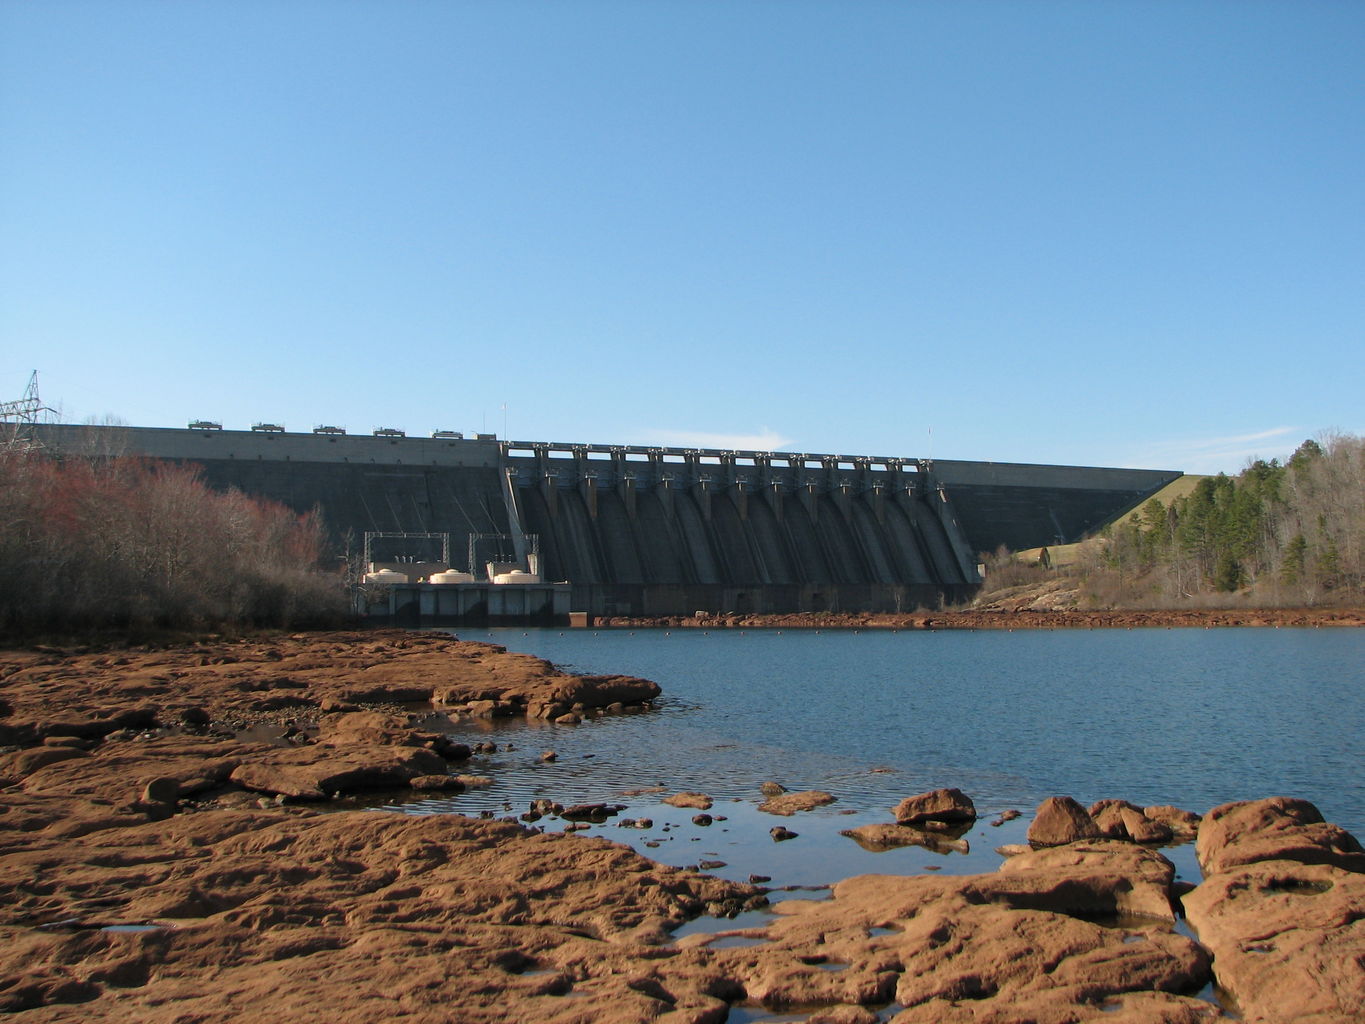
(661, 531)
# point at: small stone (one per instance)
(1108, 817)
(701, 819)
(1181, 823)
(1143, 829)
(194, 717)
(590, 812)
(759, 879)
(161, 791)
(771, 789)
(547, 756)
(780, 834)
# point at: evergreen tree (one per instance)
(1305, 455)
(1295, 558)
(1227, 576)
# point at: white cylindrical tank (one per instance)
(516, 576)
(385, 576)
(450, 576)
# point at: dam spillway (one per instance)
(661, 531)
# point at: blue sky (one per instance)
(1084, 233)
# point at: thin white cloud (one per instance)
(1217, 454)
(766, 440)
(1259, 435)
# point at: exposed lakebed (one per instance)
(182, 840)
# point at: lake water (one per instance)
(1190, 717)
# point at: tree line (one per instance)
(118, 542)
(1291, 533)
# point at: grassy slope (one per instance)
(1065, 554)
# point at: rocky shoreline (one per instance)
(172, 849)
(1019, 618)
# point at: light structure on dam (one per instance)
(660, 531)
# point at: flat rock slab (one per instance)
(319, 771)
(117, 772)
(1277, 828)
(1010, 946)
(90, 694)
(787, 804)
(1288, 939)
(880, 838)
(699, 801)
(347, 917)
(354, 916)
(1283, 911)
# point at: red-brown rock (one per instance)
(880, 838)
(1282, 913)
(1060, 820)
(349, 917)
(1002, 947)
(950, 805)
(1142, 829)
(1277, 828)
(22, 763)
(787, 804)
(1108, 817)
(1183, 824)
(317, 772)
(699, 801)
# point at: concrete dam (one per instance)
(656, 531)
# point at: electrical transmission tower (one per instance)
(17, 419)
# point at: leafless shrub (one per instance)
(104, 540)
(1274, 536)
(1005, 570)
